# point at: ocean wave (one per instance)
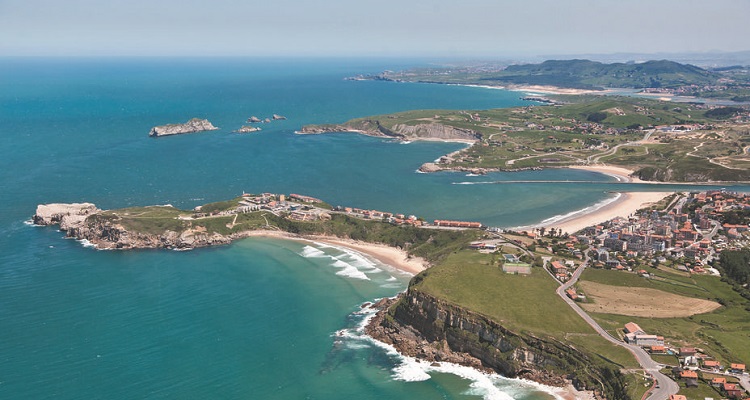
(312, 252)
(86, 243)
(420, 172)
(352, 272)
(29, 222)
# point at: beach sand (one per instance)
(388, 255)
(624, 206)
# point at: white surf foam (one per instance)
(410, 369)
(589, 209)
(86, 243)
(312, 252)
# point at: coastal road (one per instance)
(665, 386)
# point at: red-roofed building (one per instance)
(632, 327)
(688, 374)
(718, 382)
(677, 397)
(732, 390)
(737, 368)
(711, 364)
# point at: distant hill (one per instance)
(586, 74)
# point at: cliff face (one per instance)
(435, 131)
(399, 131)
(106, 234)
(85, 221)
(425, 327)
(193, 125)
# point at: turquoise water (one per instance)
(259, 318)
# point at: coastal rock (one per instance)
(247, 129)
(277, 117)
(435, 131)
(422, 326)
(49, 214)
(430, 167)
(191, 126)
(253, 119)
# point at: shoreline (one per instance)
(625, 204)
(391, 256)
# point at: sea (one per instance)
(260, 318)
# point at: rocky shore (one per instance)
(191, 126)
(371, 127)
(427, 328)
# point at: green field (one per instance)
(587, 129)
(724, 333)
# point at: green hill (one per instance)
(587, 74)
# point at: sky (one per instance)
(383, 28)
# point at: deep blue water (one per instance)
(257, 319)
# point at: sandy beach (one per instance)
(624, 206)
(388, 255)
(622, 174)
(552, 90)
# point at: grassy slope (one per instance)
(518, 302)
(724, 333)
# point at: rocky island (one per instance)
(247, 129)
(191, 126)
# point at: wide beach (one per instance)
(623, 205)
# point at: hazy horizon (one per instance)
(384, 29)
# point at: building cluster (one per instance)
(690, 233)
(691, 361)
(562, 270)
(393, 218)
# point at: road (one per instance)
(666, 386)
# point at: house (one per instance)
(737, 368)
(677, 397)
(632, 327)
(732, 390)
(558, 268)
(572, 294)
(688, 374)
(712, 365)
(647, 340)
(718, 382)
(656, 349)
(687, 352)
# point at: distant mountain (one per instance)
(586, 74)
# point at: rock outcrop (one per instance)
(435, 131)
(254, 119)
(193, 125)
(423, 326)
(247, 129)
(61, 213)
(277, 117)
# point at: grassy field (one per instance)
(524, 303)
(520, 302)
(587, 127)
(724, 333)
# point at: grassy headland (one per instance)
(659, 140)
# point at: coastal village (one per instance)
(686, 235)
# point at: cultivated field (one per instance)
(642, 302)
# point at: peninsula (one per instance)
(191, 126)
(490, 299)
(658, 140)
(657, 77)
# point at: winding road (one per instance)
(664, 386)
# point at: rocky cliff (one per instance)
(428, 328)
(85, 221)
(372, 127)
(193, 125)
